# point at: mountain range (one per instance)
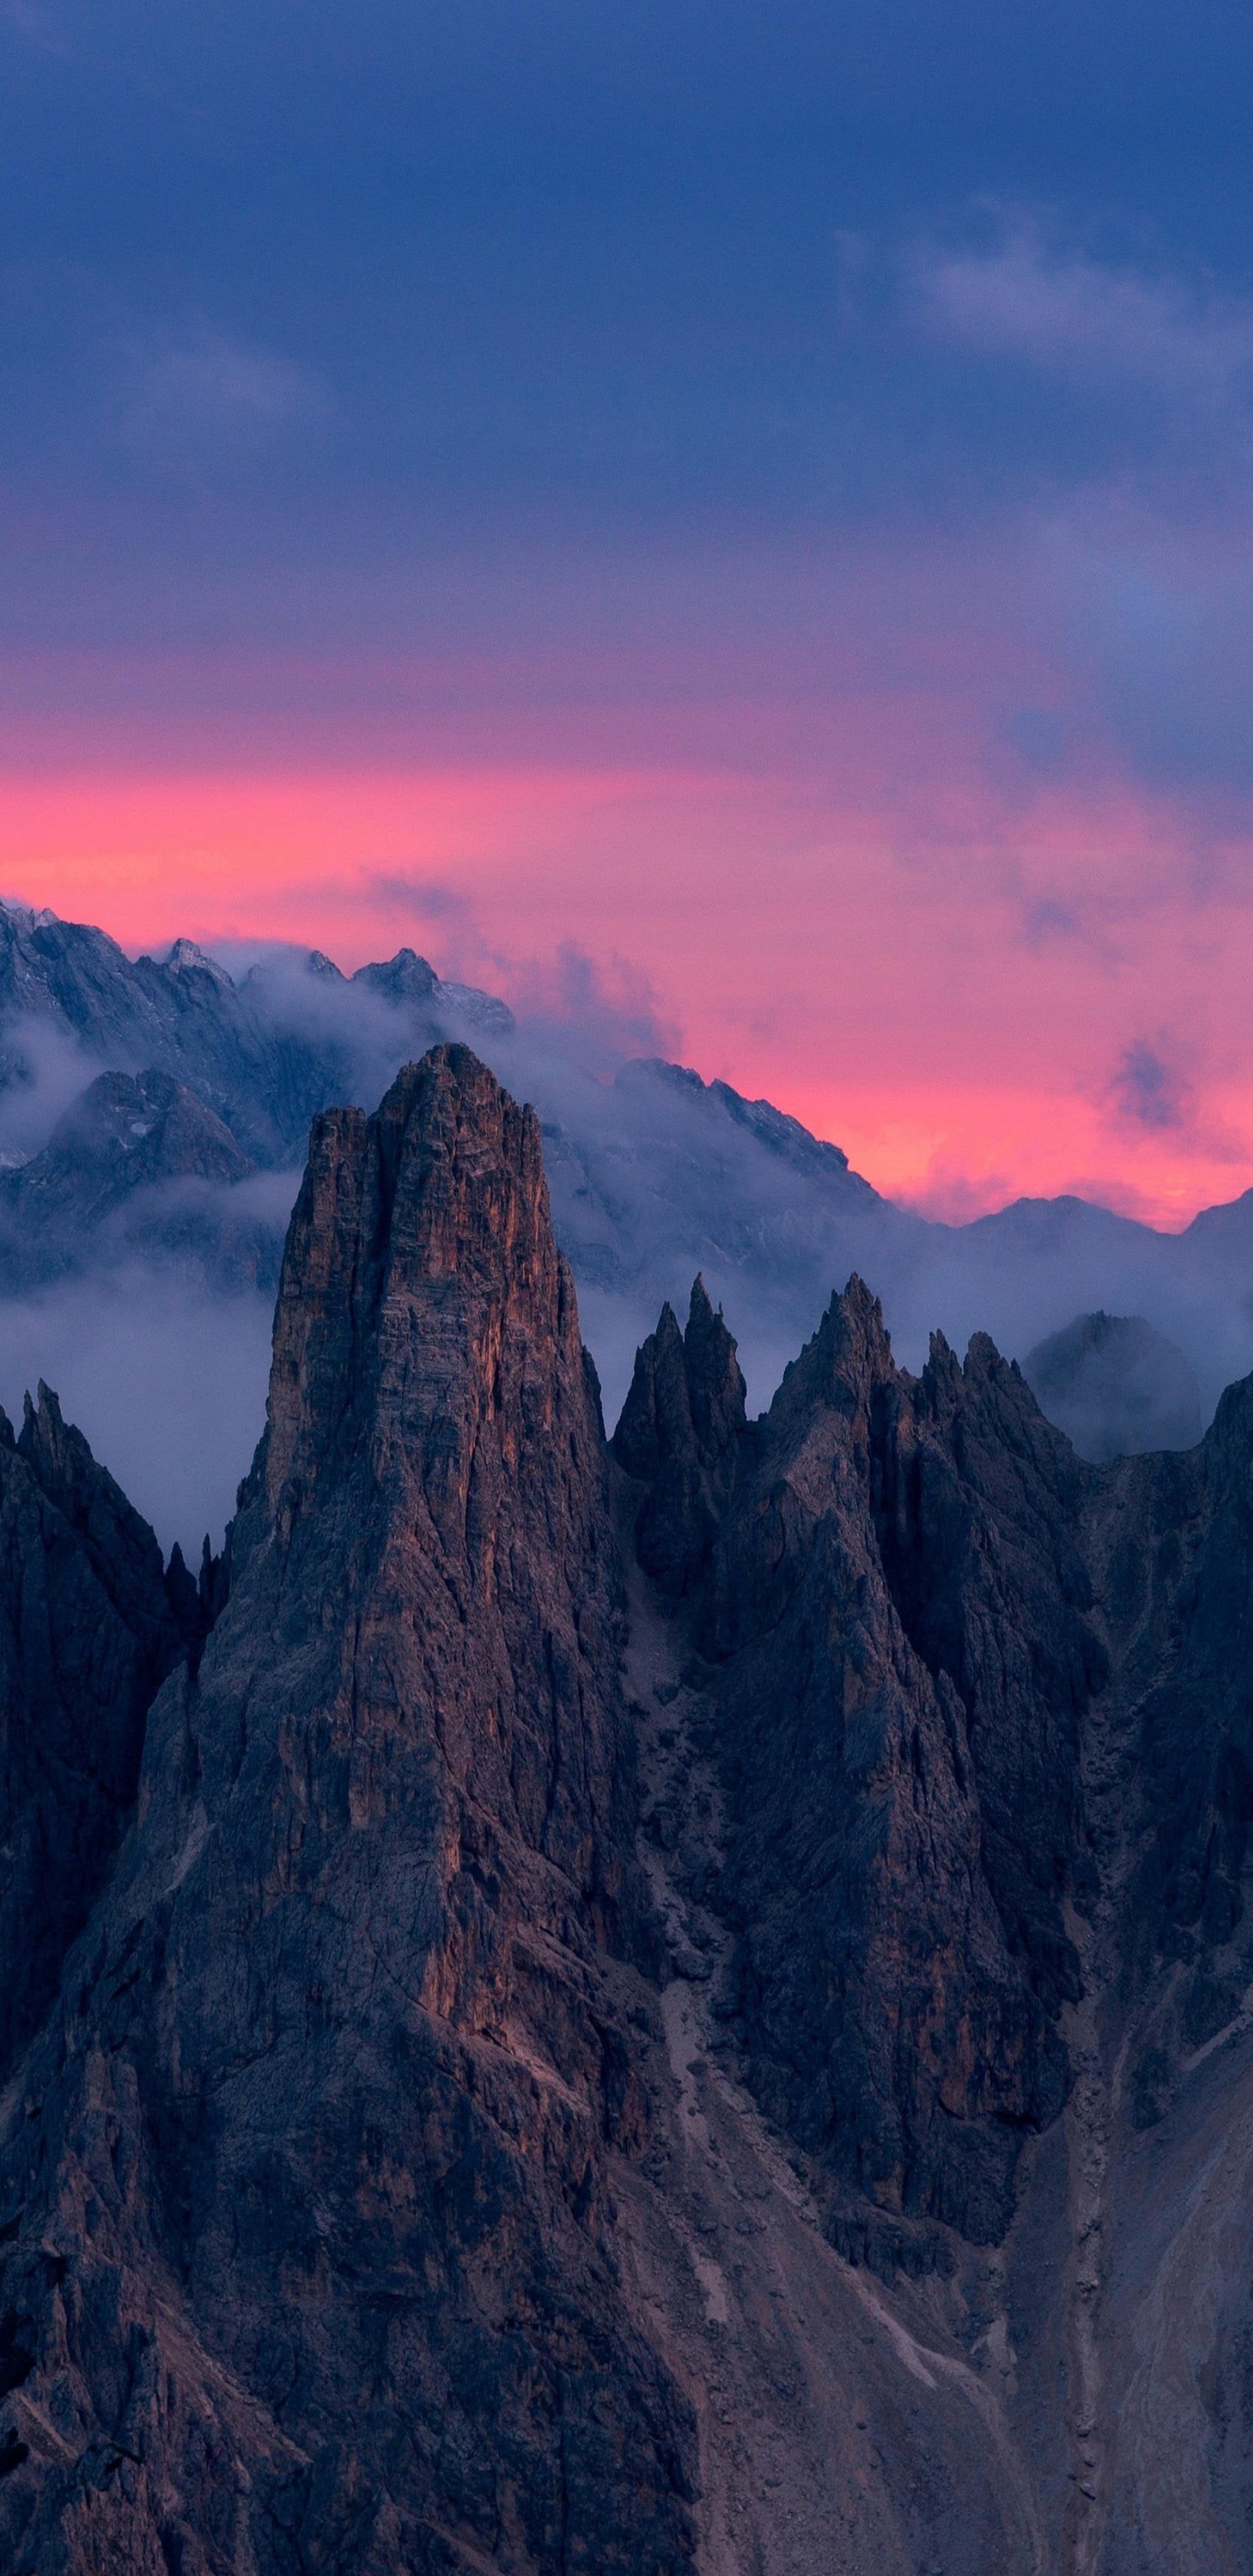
(680, 2002)
(153, 1118)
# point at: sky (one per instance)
(742, 510)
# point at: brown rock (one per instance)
(321, 2159)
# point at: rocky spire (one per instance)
(352, 2001)
(715, 1381)
(678, 1432)
(365, 2205)
(433, 1433)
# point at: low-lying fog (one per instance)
(653, 1175)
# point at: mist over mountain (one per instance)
(153, 1121)
(676, 2006)
(1115, 1387)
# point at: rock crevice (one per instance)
(623, 2009)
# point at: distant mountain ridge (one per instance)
(654, 1174)
(186, 1017)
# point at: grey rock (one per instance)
(686, 2004)
(978, 1714)
(125, 1133)
(88, 1629)
(327, 2107)
(654, 1174)
(896, 1606)
(405, 978)
(678, 1434)
(262, 1055)
(139, 1176)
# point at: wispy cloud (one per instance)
(1154, 1093)
(1098, 324)
(204, 383)
(606, 1008)
(1149, 1091)
(423, 895)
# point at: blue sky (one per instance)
(623, 272)
(728, 388)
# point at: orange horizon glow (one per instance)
(950, 1004)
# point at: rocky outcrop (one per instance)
(895, 1618)
(974, 1719)
(124, 1133)
(653, 1175)
(261, 1054)
(88, 1630)
(679, 1434)
(311, 2239)
(1175, 1542)
(685, 2004)
(139, 1177)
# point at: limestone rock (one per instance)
(686, 2005)
(312, 2235)
(897, 1613)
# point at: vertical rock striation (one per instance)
(389, 2183)
(310, 2238)
(680, 1431)
(896, 1613)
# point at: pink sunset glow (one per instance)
(1019, 996)
(806, 575)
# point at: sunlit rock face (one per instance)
(678, 2004)
(326, 2111)
(154, 1116)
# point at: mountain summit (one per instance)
(631, 2008)
(655, 1174)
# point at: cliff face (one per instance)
(1172, 1537)
(434, 1457)
(323, 2128)
(896, 1614)
(678, 1435)
(664, 2006)
(977, 1720)
(87, 1631)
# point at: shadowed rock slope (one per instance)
(673, 2006)
(978, 1723)
(89, 1626)
(135, 1163)
(895, 1614)
(1116, 1387)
